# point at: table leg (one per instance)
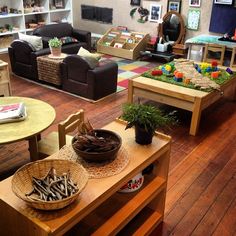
(33, 147)
(196, 116)
(130, 91)
(189, 51)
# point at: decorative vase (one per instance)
(56, 52)
(142, 136)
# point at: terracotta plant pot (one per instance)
(55, 51)
(142, 136)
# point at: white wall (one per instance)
(121, 11)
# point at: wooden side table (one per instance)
(49, 69)
(5, 86)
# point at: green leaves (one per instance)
(146, 116)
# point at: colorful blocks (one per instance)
(186, 80)
(228, 70)
(215, 74)
(178, 79)
(157, 72)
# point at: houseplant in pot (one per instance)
(146, 119)
(55, 46)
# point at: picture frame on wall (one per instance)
(227, 2)
(174, 5)
(135, 2)
(59, 3)
(155, 12)
(194, 3)
(193, 19)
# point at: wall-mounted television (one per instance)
(228, 2)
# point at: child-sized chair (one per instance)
(214, 52)
(56, 140)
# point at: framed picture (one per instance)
(228, 2)
(135, 2)
(59, 3)
(174, 5)
(155, 13)
(193, 19)
(194, 3)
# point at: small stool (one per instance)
(232, 63)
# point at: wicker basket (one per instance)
(22, 181)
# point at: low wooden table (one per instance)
(49, 69)
(188, 99)
(20, 219)
(40, 116)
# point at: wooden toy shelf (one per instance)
(125, 44)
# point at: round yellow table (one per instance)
(40, 115)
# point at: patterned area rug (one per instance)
(127, 69)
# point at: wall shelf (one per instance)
(22, 19)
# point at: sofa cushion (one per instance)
(91, 58)
(35, 41)
(68, 40)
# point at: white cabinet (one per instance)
(25, 15)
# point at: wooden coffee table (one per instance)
(20, 219)
(188, 99)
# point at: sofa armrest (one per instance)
(82, 36)
(42, 52)
(102, 80)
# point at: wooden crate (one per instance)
(122, 44)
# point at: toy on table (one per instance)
(157, 72)
(215, 74)
(178, 76)
(228, 70)
(167, 69)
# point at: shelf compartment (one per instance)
(121, 208)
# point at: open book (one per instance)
(12, 112)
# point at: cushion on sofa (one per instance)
(35, 41)
(91, 58)
(68, 39)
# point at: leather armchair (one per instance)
(79, 78)
(23, 56)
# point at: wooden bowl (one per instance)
(100, 156)
(22, 181)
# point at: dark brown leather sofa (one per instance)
(79, 78)
(23, 56)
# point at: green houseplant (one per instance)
(55, 46)
(146, 119)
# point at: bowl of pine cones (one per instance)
(97, 145)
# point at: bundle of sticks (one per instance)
(52, 187)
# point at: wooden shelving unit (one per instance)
(125, 44)
(101, 209)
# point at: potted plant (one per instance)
(146, 119)
(55, 46)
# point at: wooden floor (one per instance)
(201, 197)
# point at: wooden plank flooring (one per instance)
(201, 197)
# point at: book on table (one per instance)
(12, 112)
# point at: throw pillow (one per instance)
(67, 40)
(35, 41)
(91, 58)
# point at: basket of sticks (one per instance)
(49, 184)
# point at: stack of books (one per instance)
(12, 112)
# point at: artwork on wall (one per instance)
(228, 2)
(174, 5)
(135, 2)
(194, 3)
(193, 19)
(155, 13)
